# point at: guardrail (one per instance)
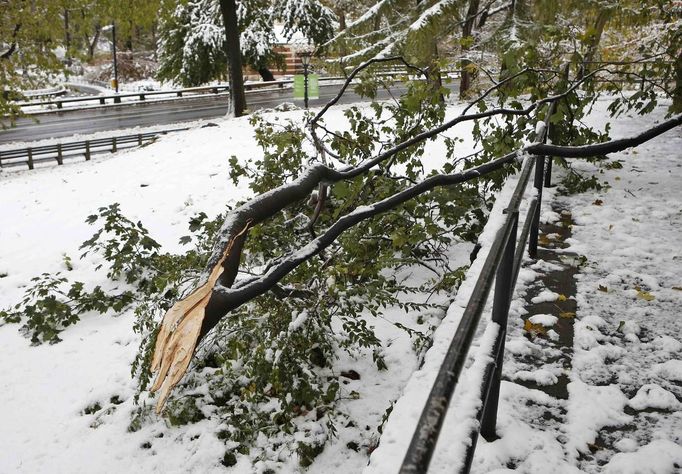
(188, 92)
(502, 267)
(60, 151)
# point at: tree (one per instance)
(197, 26)
(28, 39)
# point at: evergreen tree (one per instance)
(192, 35)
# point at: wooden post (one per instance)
(87, 150)
(113, 145)
(139, 139)
(60, 158)
(30, 158)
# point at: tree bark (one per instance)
(677, 92)
(265, 74)
(234, 58)
(593, 40)
(13, 45)
(467, 28)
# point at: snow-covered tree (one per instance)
(192, 43)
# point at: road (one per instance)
(64, 124)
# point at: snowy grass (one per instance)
(49, 392)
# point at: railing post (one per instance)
(535, 223)
(139, 139)
(87, 150)
(117, 99)
(501, 302)
(113, 144)
(548, 172)
(30, 158)
(102, 100)
(60, 160)
(142, 97)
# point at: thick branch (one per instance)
(611, 146)
(13, 44)
(226, 299)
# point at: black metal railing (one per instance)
(501, 267)
(58, 152)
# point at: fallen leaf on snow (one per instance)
(533, 329)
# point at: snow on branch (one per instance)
(193, 317)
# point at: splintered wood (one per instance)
(179, 332)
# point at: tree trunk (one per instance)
(677, 91)
(266, 74)
(466, 74)
(234, 58)
(592, 41)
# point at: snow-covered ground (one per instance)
(623, 375)
(45, 390)
(623, 412)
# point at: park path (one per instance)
(593, 364)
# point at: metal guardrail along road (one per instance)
(32, 155)
(189, 92)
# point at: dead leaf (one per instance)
(678, 288)
(567, 314)
(543, 240)
(561, 298)
(533, 329)
(645, 295)
(603, 288)
(598, 202)
(610, 226)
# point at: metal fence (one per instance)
(189, 92)
(501, 267)
(60, 151)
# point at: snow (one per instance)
(623, 411)
(626, 367)
(654, 396)
(546, 320)
(671, 370)
(45, 390)
(545, 296)
(658, 457)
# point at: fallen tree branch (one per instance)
(612, 146)
(192, 318)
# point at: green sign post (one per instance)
(313, 86)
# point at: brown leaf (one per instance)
(645, 295)
(598, 202)
(678, 288)
(603, 288)
(567, 314)
(533, 329)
